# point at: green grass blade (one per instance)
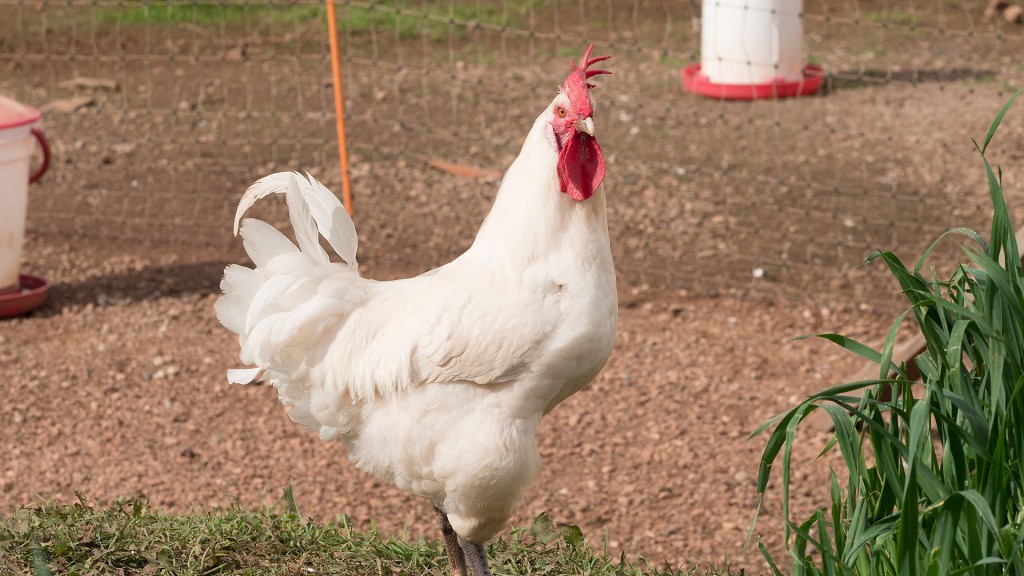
(998, 120)
(858, 349)
(970, 234)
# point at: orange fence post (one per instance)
(339, 107)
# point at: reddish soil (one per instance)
(116, 387)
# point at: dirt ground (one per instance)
(116, 387)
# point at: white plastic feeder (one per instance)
(19, 131)
(751, 49)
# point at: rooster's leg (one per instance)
(475, 557)
(456, 558)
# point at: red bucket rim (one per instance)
(14, 114)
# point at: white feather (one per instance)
(309, 202)
(332, 219)
(273, 184)
(239, 285)
(245, 375)
(303, 225)
(263, 242)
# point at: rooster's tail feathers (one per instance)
(313, 210)
(281, 307)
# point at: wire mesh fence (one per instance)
(161, 113)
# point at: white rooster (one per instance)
(437, 383)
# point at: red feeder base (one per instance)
(31, 295)
(697, 83)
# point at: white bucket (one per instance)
(18, 133)
(752, 41)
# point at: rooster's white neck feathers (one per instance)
(531, 215)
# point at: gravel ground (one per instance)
(116, 387)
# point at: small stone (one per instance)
(90, 83)
(66, 105)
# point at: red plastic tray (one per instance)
(31, 296)
(697, 83)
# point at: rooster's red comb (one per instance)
(576, 86)
(587, 62)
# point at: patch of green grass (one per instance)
(671, 61)
(437, 20)
(409, 19)
(896, 17)
(137, 13)
(934, 478)
(405, 18)
(131, 538)
(569, 52)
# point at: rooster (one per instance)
(437, 383)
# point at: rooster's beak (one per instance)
(586, 125)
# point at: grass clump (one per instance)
(934, 480)
(130, 538)
(399, 18)
(146, 12)
(408, 20)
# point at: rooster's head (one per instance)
(580, 162)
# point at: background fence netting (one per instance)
(161, 113)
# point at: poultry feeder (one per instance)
(19, 130)
(751, 49)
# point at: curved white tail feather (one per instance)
(307, 198)
(282, 306)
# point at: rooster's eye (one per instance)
(561, 112)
